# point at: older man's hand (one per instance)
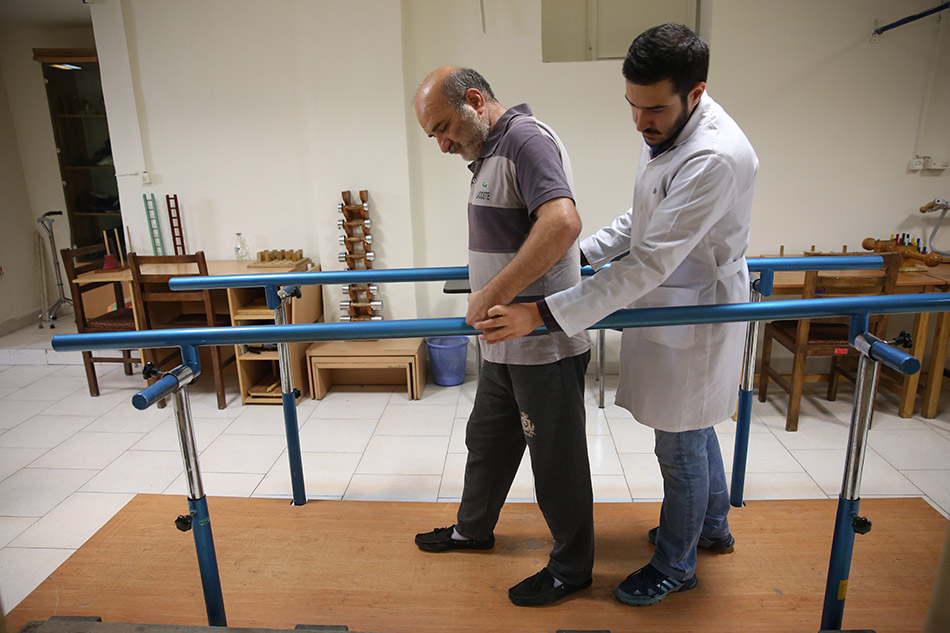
(509, 322)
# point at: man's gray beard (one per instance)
(479, 134)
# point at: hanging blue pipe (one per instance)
(910, 18)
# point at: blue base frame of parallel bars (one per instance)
(873, 352)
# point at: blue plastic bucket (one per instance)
(447, 354)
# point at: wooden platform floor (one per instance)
(354, 563)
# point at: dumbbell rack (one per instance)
(361, 301)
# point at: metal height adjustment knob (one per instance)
(904, 339)
(183, 522)
(861, 525)
(150, 371)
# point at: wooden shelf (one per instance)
(258, 356)
(255, 309)
(261, 370)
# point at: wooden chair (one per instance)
(82, 260)
(823, 337)
(158, 307)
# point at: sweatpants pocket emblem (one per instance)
(527, 425)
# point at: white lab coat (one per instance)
(687, 233)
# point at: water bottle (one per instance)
(240, 248)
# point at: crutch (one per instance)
(49, 314)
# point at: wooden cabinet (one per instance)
(81, 130)
(257, 365)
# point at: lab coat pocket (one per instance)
(674, 336)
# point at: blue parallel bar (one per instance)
(289, 401)
(207, 561)
(765, 266)
(155, 392)
(446, 273)
(741, 450)
(645, 317)
(892, 357)
(316, 278)
(839, 568)
(836, 262)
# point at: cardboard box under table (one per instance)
(379, 362)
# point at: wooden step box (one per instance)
(378, 362)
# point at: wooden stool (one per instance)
(380, 362)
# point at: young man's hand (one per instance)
(508, 322)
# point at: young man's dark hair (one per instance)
(670, 51)
(458, 81)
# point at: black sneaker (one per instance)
(648, 585)
(723, 545)
(440, 540)
(539, 590)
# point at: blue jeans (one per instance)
(695, 498)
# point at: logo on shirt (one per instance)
(484, 194)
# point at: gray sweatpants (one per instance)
(541, 407)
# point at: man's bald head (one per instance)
(452, 82)
(457, 107)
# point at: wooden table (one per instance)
(938, 349)
(788, 282)
(244, 306)
(215, 267)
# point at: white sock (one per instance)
(456, 536)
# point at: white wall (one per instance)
(833, 116)
(258, 115)
(30, 183)
(582, 101)
(19, 283)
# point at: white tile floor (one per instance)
(69, 462)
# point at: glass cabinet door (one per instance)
(81, 129)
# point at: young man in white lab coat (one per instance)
(686, 233)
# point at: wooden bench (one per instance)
(380, 362)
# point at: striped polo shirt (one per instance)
(522, 165)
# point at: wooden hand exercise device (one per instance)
(909, 254)
(278, 258)
(361, 301)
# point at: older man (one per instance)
(522, 236)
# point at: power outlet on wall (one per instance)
(916, 163)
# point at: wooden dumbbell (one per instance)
(909, 254)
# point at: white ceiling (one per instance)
(44, 13)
